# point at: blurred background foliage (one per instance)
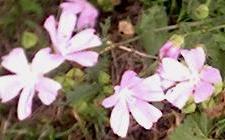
(77, 113)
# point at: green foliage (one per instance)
(195, 127)
(85, 88)
(106, 5)
(71, 79)
(151, 19)
(31, 6)
(189, 108)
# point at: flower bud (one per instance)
(172, 47)
(202, 11)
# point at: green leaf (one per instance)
(195, 127)
(29, 40)
(106, 5)
(153, 18)
(103, 78)
(208, 103)
(83, 92)
(31, 6)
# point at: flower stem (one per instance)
(167, 28)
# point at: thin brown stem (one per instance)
(137, 52)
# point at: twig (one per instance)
(137, 52)
(68, 131)
(167, 28)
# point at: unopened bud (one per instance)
(202, 11)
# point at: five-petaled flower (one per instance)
(193, 79)
(88, 14)
(29, 78)
(72, 48)
(171, 49)
(132, 95)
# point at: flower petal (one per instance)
(149, 89)
(47, 90)
(119, 119)
(25, 103)
(87, 17)
(72, 7)
(110, 101)
(173, 70)
(16, 61)
(66, 25)
(84, 40)
(144, 113)
(211, 75)
(195, 58)
(203, 91)
(44, 61)
(10, 87)
(169, 50)
(129, 79)
(85, 58)
(179, 95)
(50, 26)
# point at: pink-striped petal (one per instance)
(203, 91)
(173, 70)
(47, 90)
(10, 87)
(85, 58)
(50, 26)
(72, 7)
(44, 61)
(24, 108)
(211, 75)
(87, 17)
(16, 61)
(129, 79)
(144, 113)
(119, 119)
(195, 58)
(179, 95)
(84, 40)
(66, 26)
(149, 89)
(110, 101)
(169, 50)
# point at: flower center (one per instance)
(195, 77)
(30, 78)
(126, 94)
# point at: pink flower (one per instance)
(29, 78)
(172, 47)
(72, 48)
(169, 50)
(193, 79)
(132, 95)
(87, 12)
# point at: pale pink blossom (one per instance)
(87, 13)
(192, 78)
(28, 78)
(133, 95)
(166, 83)
(69, 47)
(172, 47)
(169, 50)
